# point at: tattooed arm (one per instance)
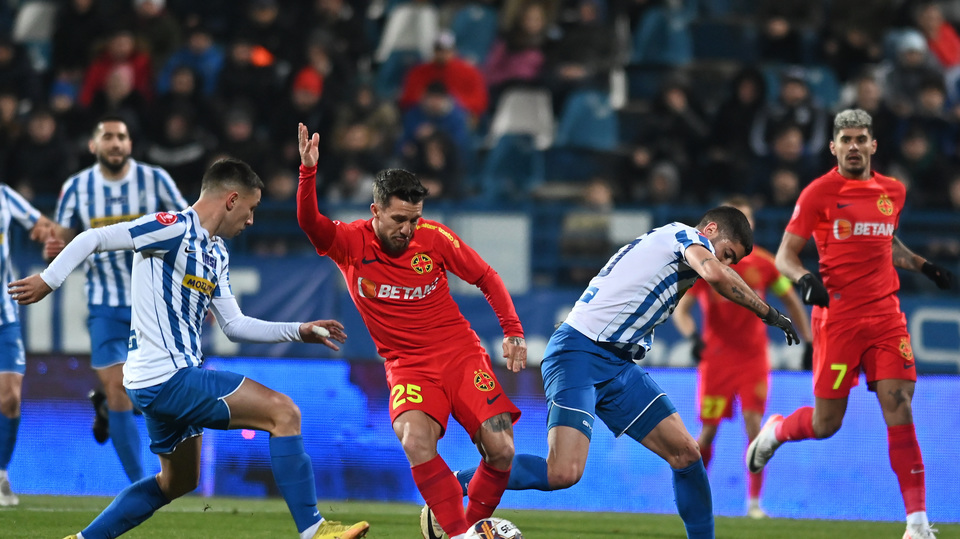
(724, 279)
(904, 258)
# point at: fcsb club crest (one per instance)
(885, 205)
(421, 263)
(906, 350)
(483, 381)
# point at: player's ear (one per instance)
(374, 209)
(232, 200)
(91, 146)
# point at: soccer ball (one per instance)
(494, 528)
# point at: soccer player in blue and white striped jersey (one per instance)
(180, 273)
(589, 367)
(13, 362)
(116, 189)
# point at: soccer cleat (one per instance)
(429, 526)
(920, 531)
(70, 537)
(754, 511)
(763, 446)
(331, 529)
(101, 419)
(7, 497)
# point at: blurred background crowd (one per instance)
(576, 108)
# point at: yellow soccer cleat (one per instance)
(70, 537)
(334, 530)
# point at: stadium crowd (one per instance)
(647, 102)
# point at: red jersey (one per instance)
(729, 330)
(405, 300)
(852, 223)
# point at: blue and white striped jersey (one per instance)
(638, 288)
(178, 269)
(12, 206)
(87, 200)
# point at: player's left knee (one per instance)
(685, 454)
(10, 406)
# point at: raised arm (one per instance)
(731, 286)
(318, 227)
(904, 258)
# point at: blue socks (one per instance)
(294, 475)
(528, 472)
(126, 440)
(8, 439)
(131, 507)
(694, 501)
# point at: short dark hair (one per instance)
(230, 172)
(108, 118)
(732, 224)
(400, 183)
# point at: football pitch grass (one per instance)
(236, 518)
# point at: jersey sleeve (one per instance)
(688, 236)
(20, 209)
(223, 289)
(66, 213)
(158, 233)
(807, 211)
(167, 191)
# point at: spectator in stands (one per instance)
(680, 129)
(157, 28)
(784, 189)
(201, 54)
(278, 203)
(585, 232)
(381, 118)
(343, 25)
(120, 96)
(437, 112)
(787, 152)
(220, 16)
(436, 163)
(783, 24)
(664, 185)
(353, 185)
(72, 121)
(238, 138)
(11, 126)
(248, 76)
(336, 72)
(183, 92)
(794, 106)
(920, 166)
(869, 97)
(912, 68)
(583, 55)
(79, 26)
(41, 159)
(853, 34)
(17, 72)
(933, 116)
(181, 150)
(304, 105)
(266, 26)
(728, 152)
(462, 79)
(942, 38)
(121, 51)
(517, 55)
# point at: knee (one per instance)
(826, 427)
(418, 446)
(684, 454)
(286, 416)
(10, 405)
(500, 454)
(173, 488)
(564, 475)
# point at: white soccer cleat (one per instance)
(755, 511)
(920, 531)
(7, 497)
(428, 525)
(763, 446)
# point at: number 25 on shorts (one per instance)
(842, 368)
(401, 393)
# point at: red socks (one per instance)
(484, 491)
(756, 483)
(706, 453)
(797, 426)
(907, 463)
(443, 494)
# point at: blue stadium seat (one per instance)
(390, 74)
(822, 81)
(588, 121)
(663, 37)
(645, 80)
(512, 168)
(723, 40)
(475, 26)
(578, 165)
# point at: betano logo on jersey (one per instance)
(885, 205)
(97, 222)
(199, 284)
(843, 229)
(369, 289)
(421, 263)
(483, 381)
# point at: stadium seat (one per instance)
(389, 77)
(588, 121)
(409, 27)
(723, 40)
(577, 165)
(645, 80)
(523, 110)
(475, 26)
(823, 83)
(513, 168)
(663, 37)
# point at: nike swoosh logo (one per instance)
(916, 471)
(189, 250)
(844, 205)
(493, 400)
(908, 366)
(375, 259)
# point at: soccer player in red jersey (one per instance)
(395, 265)
(852, 213)
(731, 350)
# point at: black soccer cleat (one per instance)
(101, 419)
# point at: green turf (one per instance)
(196, 517)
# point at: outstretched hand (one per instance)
(332, 326)
(777, 319)
(29, 289)
(515, 352)
(309, 147)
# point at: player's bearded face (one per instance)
(396, 223)
(112, 146)
(853, 148)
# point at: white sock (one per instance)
(79, 535)
(3, 474)
(918, 519)
(461, 536)
(753, 502)
(308, 533)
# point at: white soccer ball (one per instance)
(494, 528)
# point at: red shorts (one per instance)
(727, 379)
(463, 385)
(877, 345)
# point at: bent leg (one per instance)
(418, 434)
(821, 421)
(495, 443)
(895, 398)
(705, 440)
(11, 386)
(123, 428)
